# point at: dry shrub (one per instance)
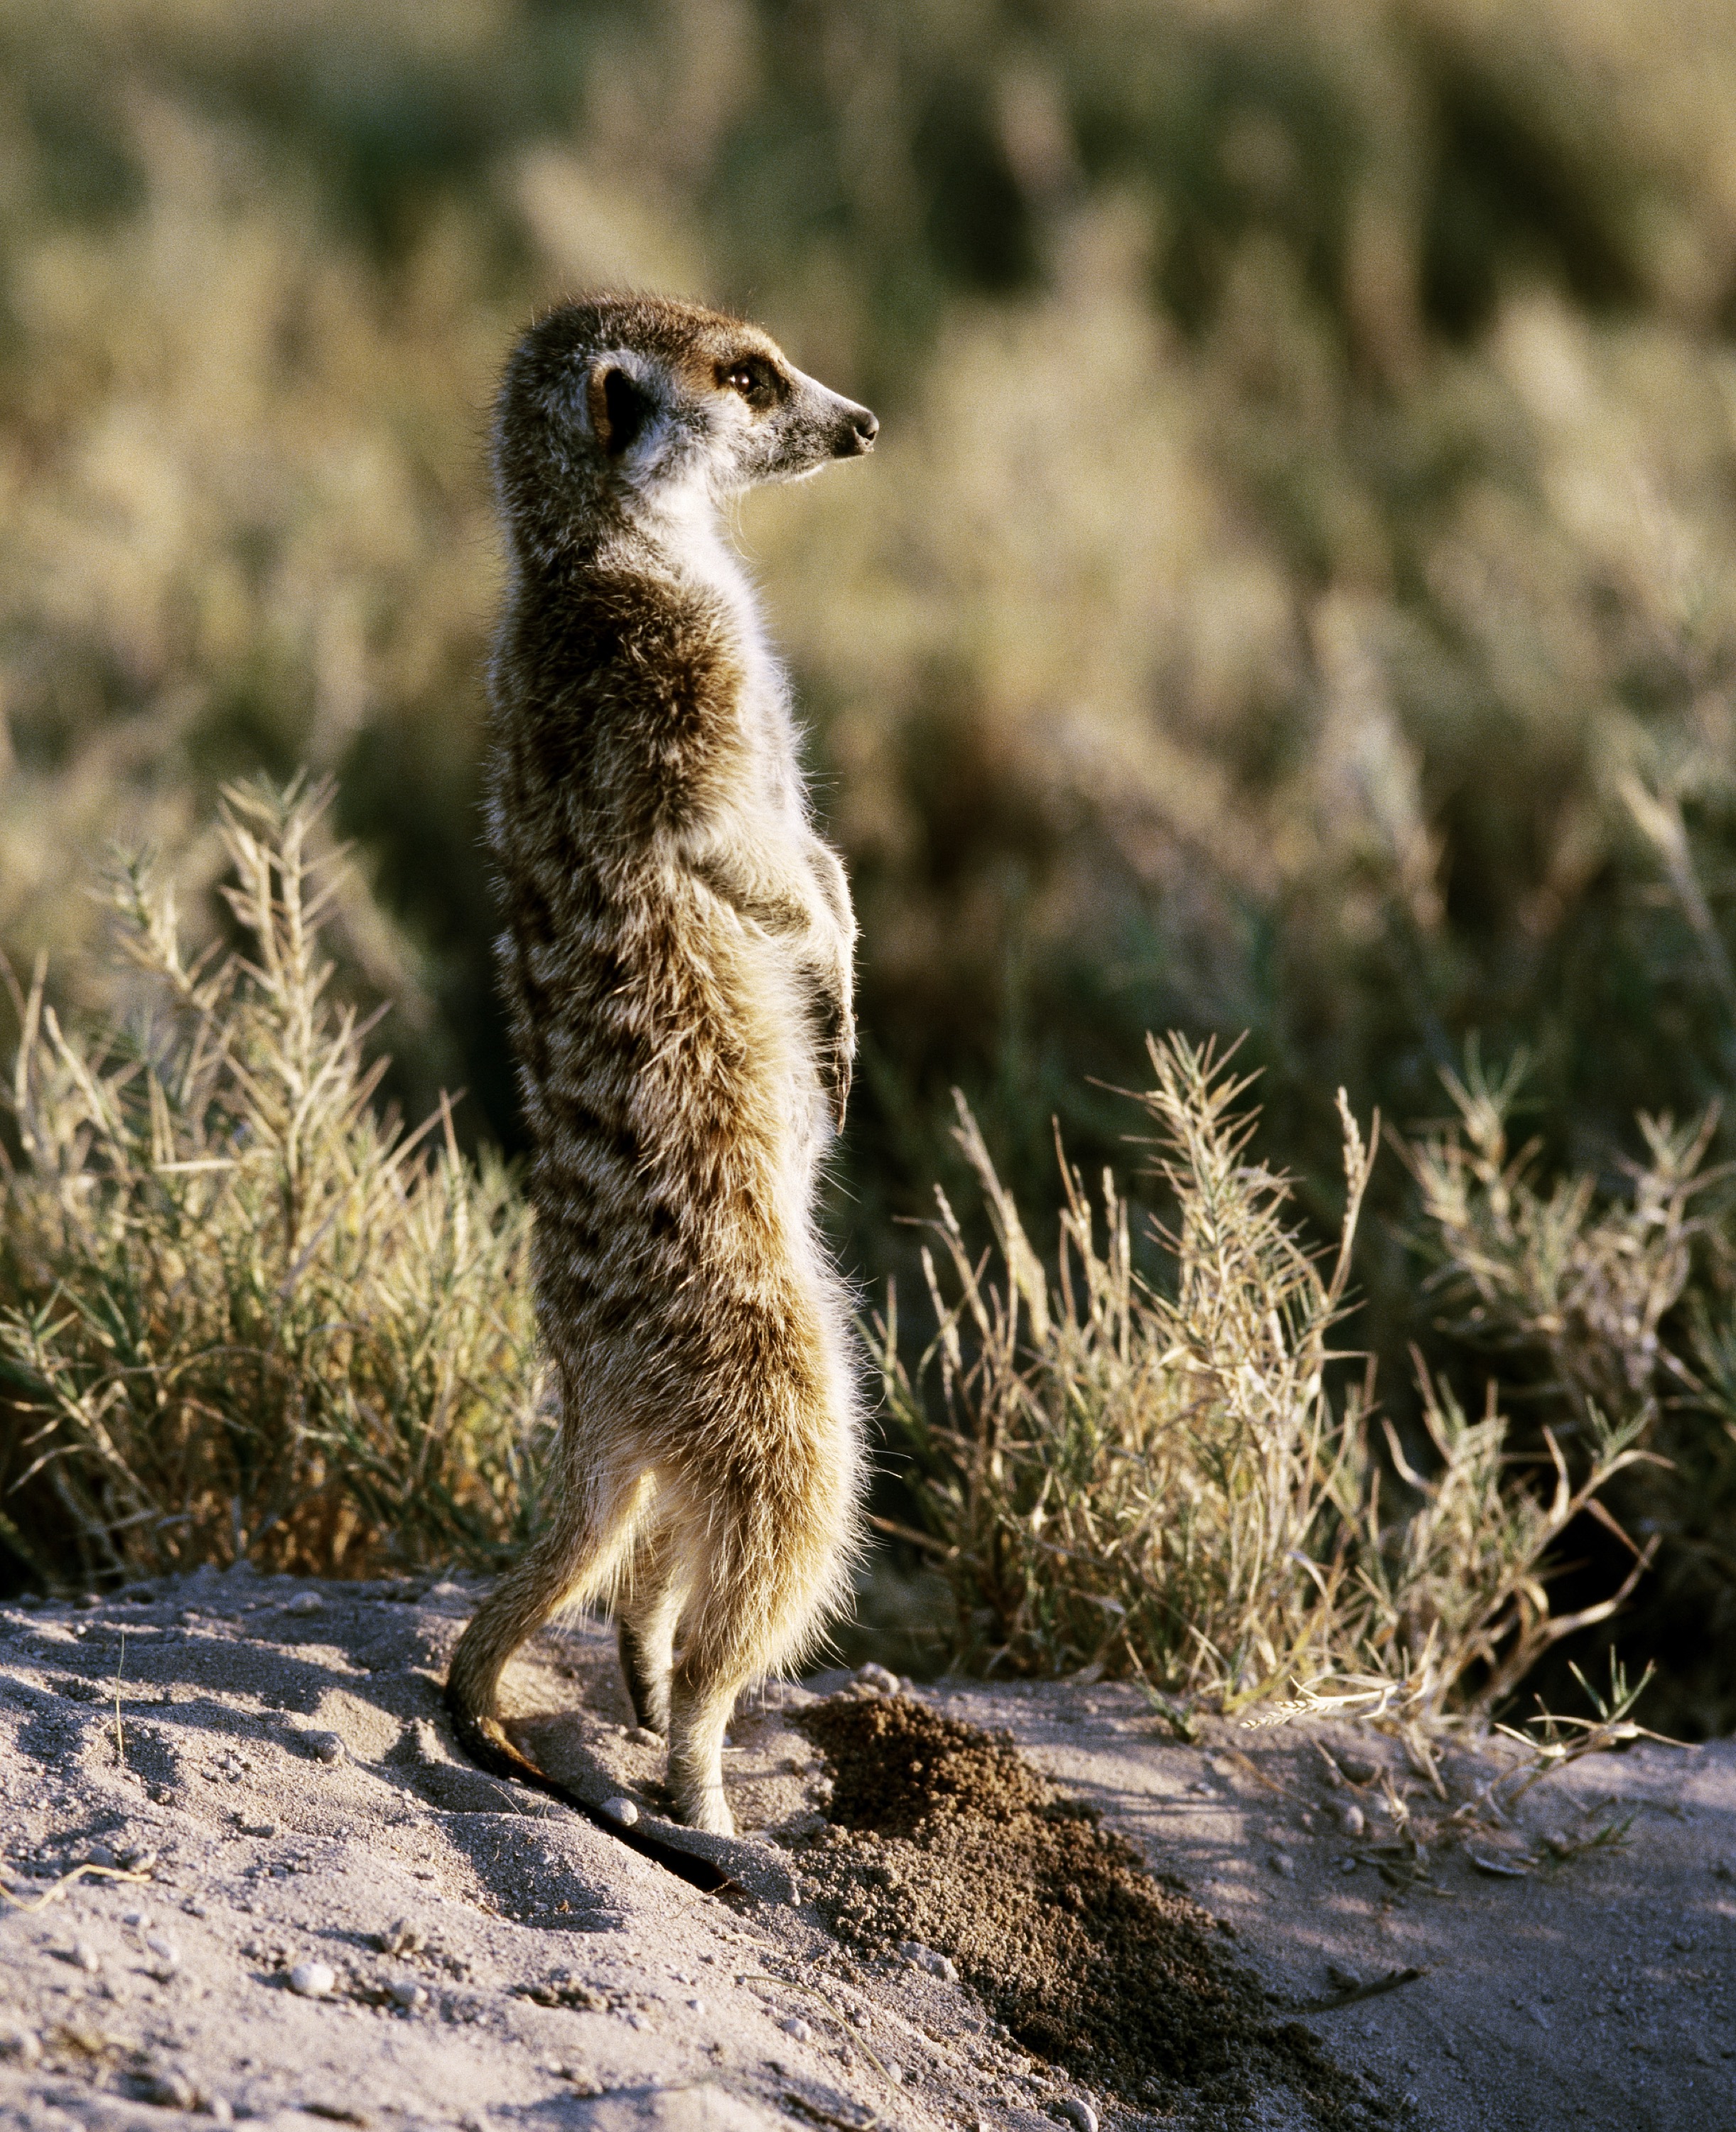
(1581, 1280)
(1164, 1482)
(1607, 1301)
(245, 1317)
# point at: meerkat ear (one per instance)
(618, 405)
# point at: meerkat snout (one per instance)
(782, 423)
(856, 432)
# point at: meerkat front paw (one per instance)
(840, 1063)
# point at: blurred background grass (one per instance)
(1294, 591)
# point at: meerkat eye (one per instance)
(753, 377)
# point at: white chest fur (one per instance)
(695, 544)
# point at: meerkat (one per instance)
(676, 966)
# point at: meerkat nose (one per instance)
(857, 433)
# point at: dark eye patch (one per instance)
(759, 383)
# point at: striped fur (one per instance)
(676, 963)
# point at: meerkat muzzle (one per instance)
(856, 433)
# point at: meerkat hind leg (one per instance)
(658, 1582)
(699, 1710)
(751, 1611)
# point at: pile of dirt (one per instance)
(943, 1834)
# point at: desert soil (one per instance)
(1009, 1907)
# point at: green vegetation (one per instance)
(1296, 592)
(1160, 1481)
(247, 1319)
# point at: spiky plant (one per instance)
(246, 1316)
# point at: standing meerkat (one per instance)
(676, 966)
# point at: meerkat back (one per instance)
(676, 961)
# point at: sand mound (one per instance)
(943, 1834)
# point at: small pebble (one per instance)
(1077, 2111)
(85, 1957)
(165, 1951)
(137, 1858)
(925, 1957)
(312, 1980)
(696, 2006)
(895, 2074)
(409, 1995)
(220, 2111)
(1284, 1864)
(1347, 1865)
(326, 1746)
(99, 1854)
(22, 2045)
(171, 2091)
(797, 2030)
(622, 1810)
(1355, 1820)
(305, 1602)
(878, 1678)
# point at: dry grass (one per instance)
(250, 1319)
(1585, 1280)
(1161, 1480)
(245, 1317)
(1596, 1297)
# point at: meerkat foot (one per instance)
(700, 1709)
(706, 1809)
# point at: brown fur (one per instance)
(676, 966)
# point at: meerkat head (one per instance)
(617, 405)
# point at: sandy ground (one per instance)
(286, 1803)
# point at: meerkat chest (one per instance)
(774, 789)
